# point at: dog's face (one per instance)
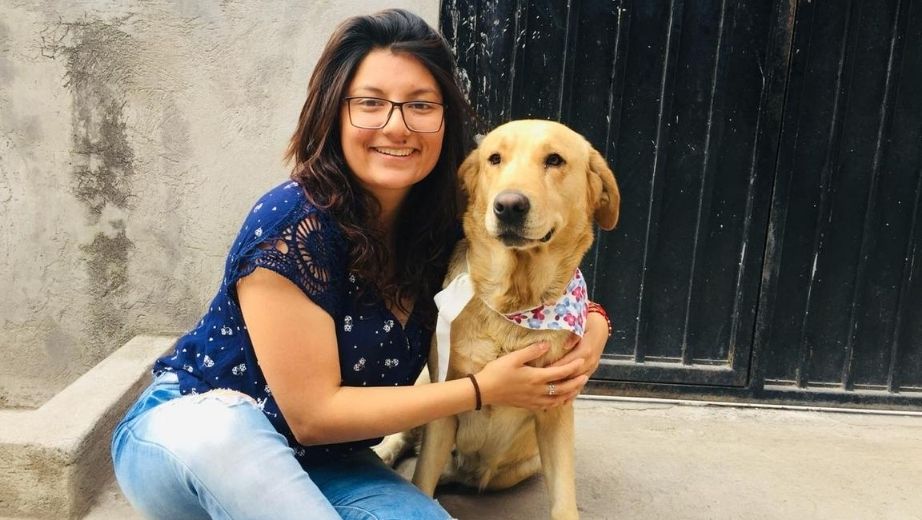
(530, 182)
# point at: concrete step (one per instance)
(111, 505)
(55, 458)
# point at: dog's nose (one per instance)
(511, 207)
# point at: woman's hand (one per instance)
(509, 381)
(588, 348)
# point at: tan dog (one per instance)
(534, 189)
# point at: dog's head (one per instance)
(530, 182)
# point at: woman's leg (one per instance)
(361, 487)
(213, 455)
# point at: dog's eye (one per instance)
(494, 159)
(554, 160)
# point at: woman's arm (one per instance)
(295, 344)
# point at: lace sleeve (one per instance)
(306, 252)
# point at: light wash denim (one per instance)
(216, 455)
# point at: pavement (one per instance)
(656, 459)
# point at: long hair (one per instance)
(427, 226)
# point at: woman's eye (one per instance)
(421, 107)
(369, 103)
(494, 159)
(553, 160)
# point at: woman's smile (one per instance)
(393, 152)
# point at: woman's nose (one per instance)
(396, 125)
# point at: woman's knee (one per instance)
(215, 443)
(200, 430)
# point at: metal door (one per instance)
(768, 158)
(842, 314)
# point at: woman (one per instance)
(308, 353)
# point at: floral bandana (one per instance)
(567, 313)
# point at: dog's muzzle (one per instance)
(511, 209)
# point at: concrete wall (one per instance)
(133, 137)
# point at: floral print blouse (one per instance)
(374, 349)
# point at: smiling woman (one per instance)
(324, 317)
(384, 154)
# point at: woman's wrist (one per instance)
(595, 308)
(477, 397)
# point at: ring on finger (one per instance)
(551, 389)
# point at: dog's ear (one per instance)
(469, 173)
(604, 191)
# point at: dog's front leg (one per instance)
(438, 439)
(554, 429)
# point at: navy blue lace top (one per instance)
(374, 350)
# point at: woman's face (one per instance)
(388, 161)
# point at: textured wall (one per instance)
(133, 136)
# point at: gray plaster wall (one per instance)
(133, 137)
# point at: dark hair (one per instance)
(427, 226)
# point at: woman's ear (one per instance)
(606, 197)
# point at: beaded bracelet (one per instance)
(598, 309)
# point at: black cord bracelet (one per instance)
(476, 390)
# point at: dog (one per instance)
(534, 189)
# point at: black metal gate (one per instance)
(769, 155)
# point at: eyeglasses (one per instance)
(373, 113)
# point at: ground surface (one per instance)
(656, 460)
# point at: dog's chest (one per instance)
(492, 432)
(480, 335)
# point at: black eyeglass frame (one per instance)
(394, 104)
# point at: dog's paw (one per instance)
(392, 448)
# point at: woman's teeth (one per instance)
(398, 152)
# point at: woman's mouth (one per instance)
(393, 152)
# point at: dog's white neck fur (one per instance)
(494, 282)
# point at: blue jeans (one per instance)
(215, 455)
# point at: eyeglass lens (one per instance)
(419, 116)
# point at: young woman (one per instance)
(308, 352)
